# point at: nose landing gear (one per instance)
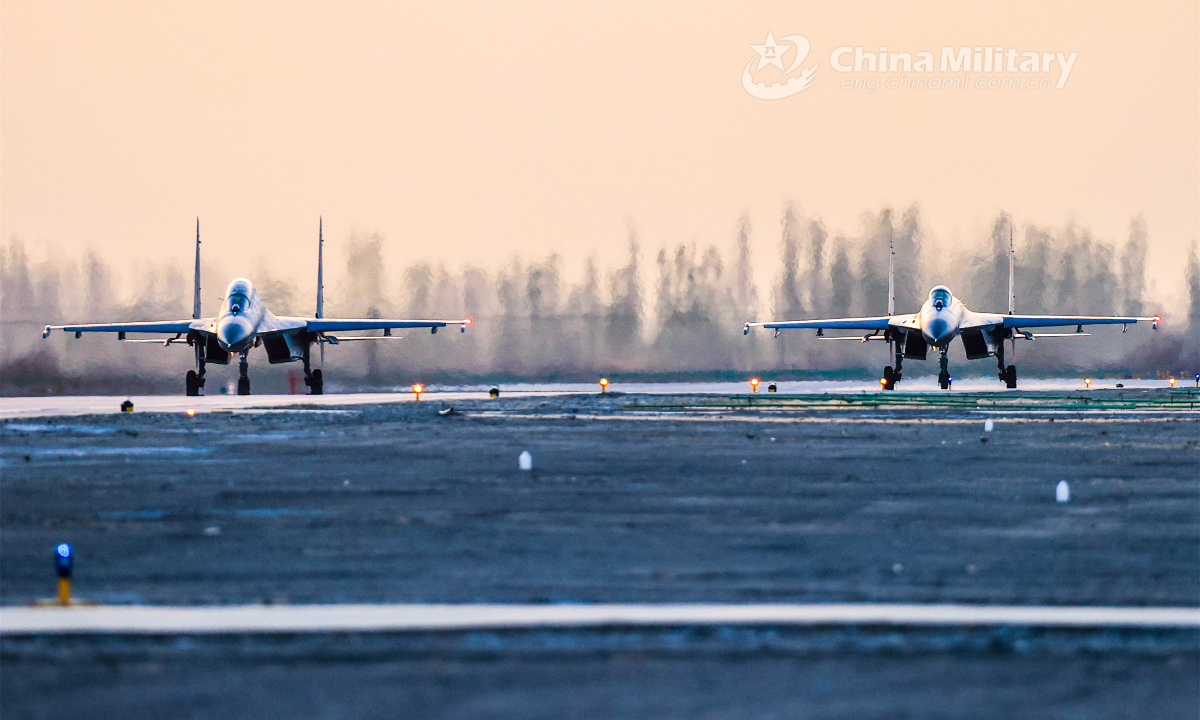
(243, 376)
(944, 374)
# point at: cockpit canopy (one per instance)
(940, 297)
(237, 296)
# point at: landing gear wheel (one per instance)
(316, 383)
(944, 380)
(889, 378)
(193, 383)
(244, 386)
(1010, 376)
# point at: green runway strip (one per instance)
(1177, 400)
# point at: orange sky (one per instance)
(470, 133)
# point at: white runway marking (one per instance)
(425, 618)
(16, 407)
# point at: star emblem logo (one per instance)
(770, 53)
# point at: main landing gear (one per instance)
(891, 375)
(312, 378)
(1007, 374)
(194, 382)
(195, 378)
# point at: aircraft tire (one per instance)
(889, 378)
(244, 386)
(317, 384)
(193, 383)
(944, 380)
(1010, 376)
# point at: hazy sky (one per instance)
(472, 132)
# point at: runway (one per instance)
(831, 556)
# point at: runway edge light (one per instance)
(1062, 491)
(417, 390)
(603, 385)
(62, 565)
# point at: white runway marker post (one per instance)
(525, 461)
(988, 425)
(1062, 491)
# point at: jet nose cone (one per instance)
(938, 330)
(233, 334)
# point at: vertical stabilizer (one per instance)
(891, 275)
(1012, 259)
(196, 295)
(320, 268)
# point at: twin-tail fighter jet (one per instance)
(244, 322)
(944, 317)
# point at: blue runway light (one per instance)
(62, 560)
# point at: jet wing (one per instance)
(162, 326)
(862, 323)
(323, 325)
(1011, 321)
(975, 320)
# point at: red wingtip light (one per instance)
(467, 321)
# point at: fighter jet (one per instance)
(944, 317)
(244, 323)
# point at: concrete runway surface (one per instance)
(649, 498)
